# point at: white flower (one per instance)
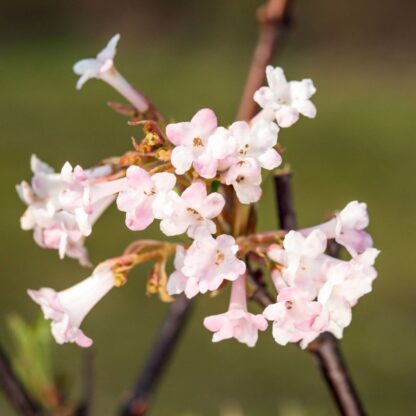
(191, 211)
(205, 265)
(102, 67)
(68, 308)
(142, 195)
(285, 100)
(245, 177)
(237, 322)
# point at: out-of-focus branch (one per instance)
(161, 350)
(84, 408)
(284, 200)
(334, 369)
(325, 348)
(273, 17)
(14, 391)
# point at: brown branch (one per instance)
(273, 16)
(325, 348)
(84, 408)
(14, 390)
(334, 369)
(156, 363)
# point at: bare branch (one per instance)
(14, 391)
(325, 348)
(84, 408)
(156, 363)
(273, 16)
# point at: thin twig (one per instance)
(273, 16)
(325, 348)
(334, 369)
(162, 349)
(84, 408)
(14, 391)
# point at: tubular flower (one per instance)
(191, 211)
(245, 177)
(348, 228)
(191, 141)
(141, 197)
(237, 322)
(67, 309)
(284, 100)
(205, 265)
(295, 318)
(102, 67)
(59, 208)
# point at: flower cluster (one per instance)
(181, 174)
(316, 291)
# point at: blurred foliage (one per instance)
(361, 146)
(32, 358)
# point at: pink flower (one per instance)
(346, 283)
(284, 100)
(303, 262)
(87, 194)
(348, 228)
(191, 211)
(142, 195)
(191, 141)
(67, 309)
(61, 208)
(256, 142)
(295, 318)
(102, 67)
(205, 265)
(237, 322)
(245, 177)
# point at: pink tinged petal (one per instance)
(206, 166)
(141, 217)
(212, 206)
(138, 177)
(270, 159)
(276, 253)
(315, 243)
(192, 288)
(354, 216)
(182, 158)
(82, 340)
(274, 312)
(248, 194)
(177, 132)
(263, 135)
(171, 226)
(293, 242)
(221, 144)
(176, 283)
(265, 98)
(204, 121)
(195, 194)
(164, 181)
(355, 241)
(213, 323)
(286, 116)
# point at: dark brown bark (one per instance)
(158, 359)
(14, 390)
(325, 348)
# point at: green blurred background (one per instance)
(186, 55)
